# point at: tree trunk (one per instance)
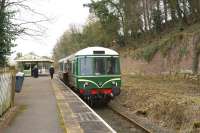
(172, 10)
(148, 4)
(185, 19)
(196, 53)
(195, 64)
(2, 6)
(178, 10)
(144, 14)
(165, 10)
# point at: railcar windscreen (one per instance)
(98, 66)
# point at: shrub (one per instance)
(149, 52)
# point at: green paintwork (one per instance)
(95, 82)
(98, 82)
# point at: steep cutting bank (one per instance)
(159, 81)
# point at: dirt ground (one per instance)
(170, 103)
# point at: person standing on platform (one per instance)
(51, 71)
(35, 71)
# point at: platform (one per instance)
(77, 116)
(38, 111)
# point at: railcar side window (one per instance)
(61, 66)
(66, 67)
(71, 67)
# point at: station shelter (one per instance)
(27, 63)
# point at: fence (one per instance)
(7, 89)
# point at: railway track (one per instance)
(134, 126)
(120, 122)
(130, 120)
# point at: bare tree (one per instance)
(11, 27)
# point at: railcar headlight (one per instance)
(86, 84)
(113, 82)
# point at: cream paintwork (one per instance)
(85, 80)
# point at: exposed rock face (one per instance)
(171, 63)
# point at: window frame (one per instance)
(117, 65)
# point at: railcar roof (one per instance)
(61, 60)
(65, 59)
(90, 51)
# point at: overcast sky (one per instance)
(62, 14)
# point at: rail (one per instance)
(130, 120)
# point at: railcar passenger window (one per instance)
(61, 66)
(66, 67)
(72, 67)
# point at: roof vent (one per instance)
(98, 52)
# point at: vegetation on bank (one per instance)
(169, 103)
(147, 26)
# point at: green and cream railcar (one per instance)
(93, 72)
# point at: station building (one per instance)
(27, 62)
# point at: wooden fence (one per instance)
(7, 89)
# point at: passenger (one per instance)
(35, 72)
(110, 69)
(51, 71)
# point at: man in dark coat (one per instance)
(51, 71)
(35, 72)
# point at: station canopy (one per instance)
(31, 57)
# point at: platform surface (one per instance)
(38, 109)
(78, 117)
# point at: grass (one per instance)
(9, 116)
(169, 103)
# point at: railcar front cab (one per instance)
(98, 73)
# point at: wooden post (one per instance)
(13, 73)
(13, 88)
